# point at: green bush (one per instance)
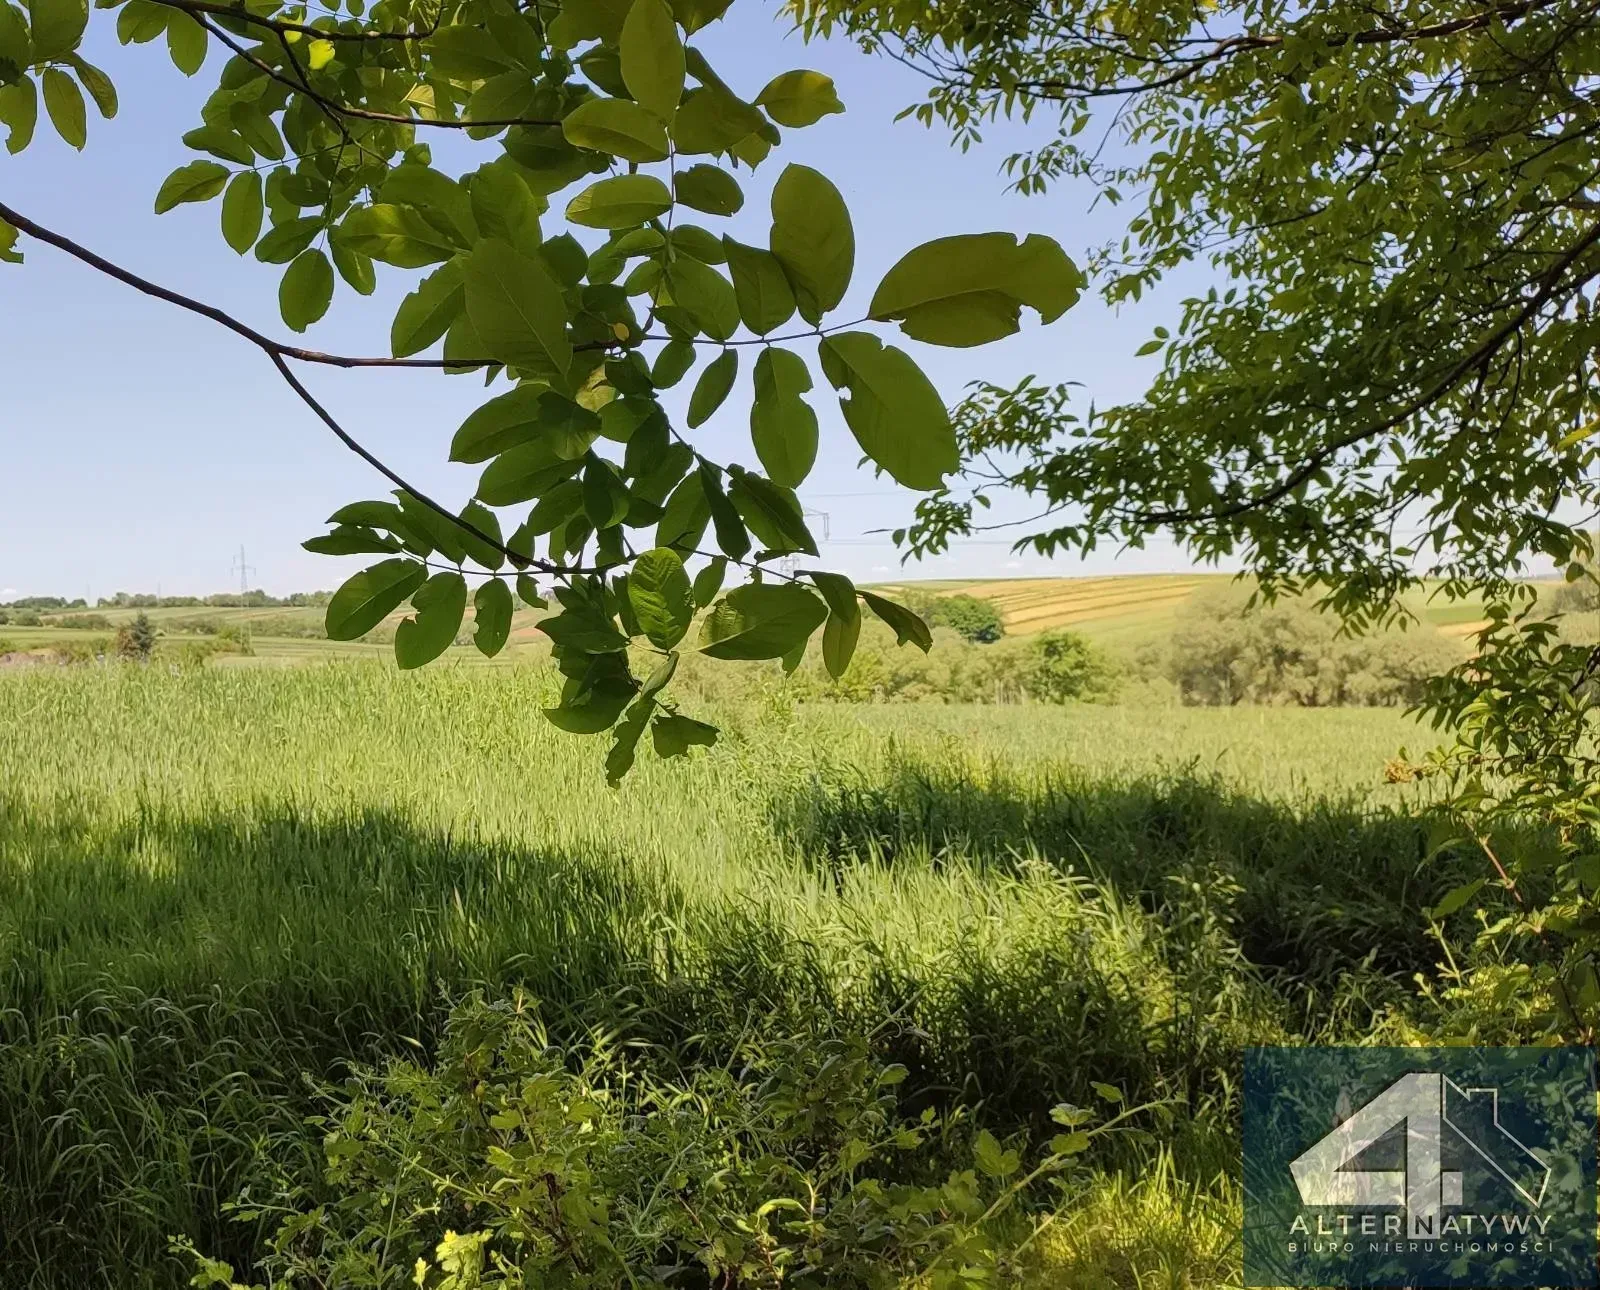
(514, 1163)
(135, 640)
(971, 618)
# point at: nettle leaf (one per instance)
(242, 211)
(652, 57)
(625, 201)
(63, 101)
(674, 735)
(893, 410)
(969, 290)
(426, 313)
(57, 27)
(617, 127)
(908, 627)
(517, 310)
(771, 512)
(306, 290)
(799, 98)
(708, 188)
(440, 604)
(199, 181)
(662, 599)
(761, 620)
(712, 388)
(492, 607)
(813, 239)
(761, 287)
(370, 596)
(783, 426)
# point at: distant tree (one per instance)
(136, 639)
(977, 620)
(1063, 666)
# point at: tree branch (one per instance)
(283, 26)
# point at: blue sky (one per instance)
(142, 446)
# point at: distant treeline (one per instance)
(129, 600)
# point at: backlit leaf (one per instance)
(761, 620)
(893, 410)
(439, 605)
(517, 310)
(199, 181)
(617, 127)
(242, 211)
(813, 239)
(63, 101)
(766, 300)
(708, 188)
(662, 598)
(652, 57)
(370, 596)
(492, 608)
(622, 202)
(908, 627)
(799, 98)
(783, 426)
(712, 388)
(306, 290)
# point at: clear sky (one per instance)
(141, 446)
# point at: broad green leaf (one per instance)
(705, 295)
(426, 313)
(99, 85)
(761, 287)
(16, 47)
(555, 508)
(695, 14)
(652, 57)
(8, 244)
(617, 127)
(528, 592)
(57, 27)
(713, 386)
(141, 22)
(761, 620)
(672, 363)
(625, 739)
(517, 310)
(492, 608)
(242, 211)
(439, 532)
(838, 591)
(469, 53)
(319, 53)
(19, 112)
(440, 604)
(588, 20)
(623, 202)
(674, 735)
(771, 512)
(683, 522)
(284, 242)
(306, 290)
(257, 129)
(839, 637)
(186, 42)
(783, 426)
(1455, 899)
(992, 1159)
(708, 188)
(908, 627)
(222, 144)
(586, 628)
(813, 239)
(396, 235)
(605, 496)
(969, 290)
(712, 119)
(691, 239)
(520, 474)
(439, 200)
(799, 98)
(732, 537)
(709, 580)
(63, 100)
(485, 551)
(893, 410)
(662, 599)
(503, 206)
(348, 539)
(370, 596)
(530, 413)
(199, 181)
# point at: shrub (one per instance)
(136, 639)
(516, 1164)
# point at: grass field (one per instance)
(213, 884)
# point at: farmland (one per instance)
(216, 883)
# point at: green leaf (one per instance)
(242, 211)
(713, 119)
(525, 472)
(19, 112)
(839, 639)
(492, 608)
(141, 22)
(969, 290)
(503, 206)
(485, 551)
(731, 535)
(813, 239)
(257, 129)
(584, 627)
(396, 235)
(199, 181)
(426, 313)
(674, 735)
(442, 203)
(708, 188)
(528, 592)
(652, 57)
(709, 580)
(99, 85)
(1107, 1092)
(772, 513)
(617, 127)
(224, 144)
(528, 414)
(8, 244)
(713, 387)
(623, 202)
(766, 300)
(306, 290)
(348, 539)
(761, 620)
(57, 27)
(1069, 1144)
(355, 268)
(684, 519)
(705, 295)
(838, 591)
(625, 741)
(186, 42)
(663, 602)
(16, 47)
(440, 604)
(370, 596)
(783, 426)
(674, 360)
(1455, 898)
(893, 410)
(63, 100)
(517, 310)
(908, 627)
(283, 243)
(799, 98)
(992, 1159)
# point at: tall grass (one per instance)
(213, 884)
